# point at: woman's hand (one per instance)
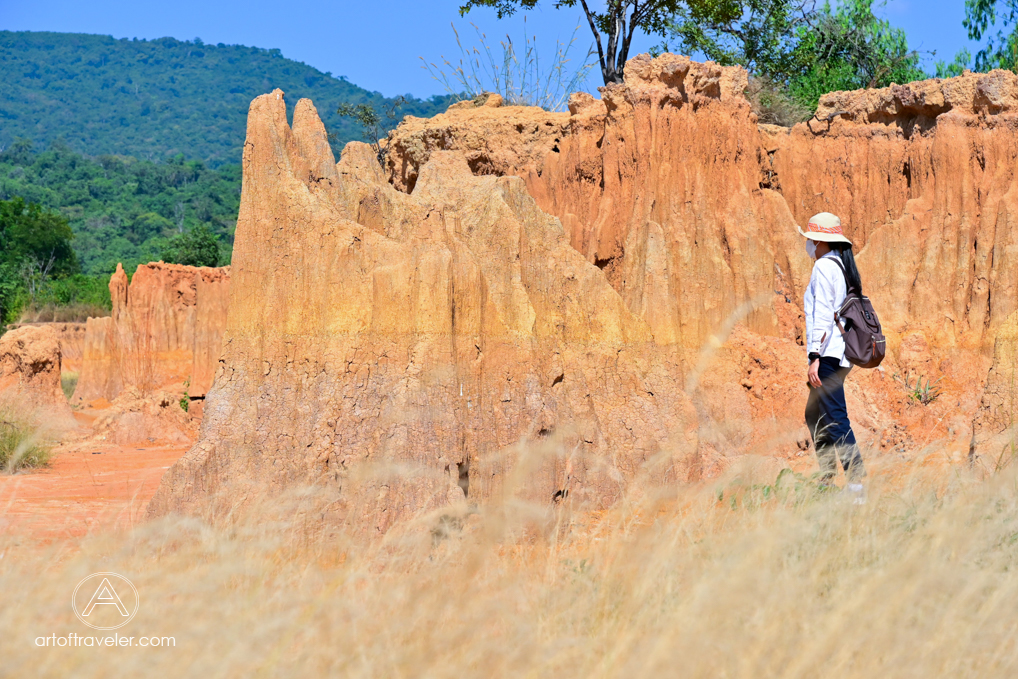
(814, 373)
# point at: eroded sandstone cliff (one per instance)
(30, 374)
(657, 184)
(995, 435)
(422, 340)
(71, 337)
(673, 163)
(165, 332)
(923, 176)
(623, 281)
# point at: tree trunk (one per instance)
(611, 72)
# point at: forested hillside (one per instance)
(156, 99)
(119, 208)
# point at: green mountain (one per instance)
(121, 209)
(154, 99)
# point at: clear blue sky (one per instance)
(377, 44)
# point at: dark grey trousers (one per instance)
(827, 419)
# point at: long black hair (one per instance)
(844, 252)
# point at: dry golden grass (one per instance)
(727, 579)
(77, 312)
(23, 442)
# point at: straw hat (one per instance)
(824, 227)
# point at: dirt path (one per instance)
(87, 486)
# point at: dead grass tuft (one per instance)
(773, 105)
(78, 312)
(22, 443)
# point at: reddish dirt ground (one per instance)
(87, 487)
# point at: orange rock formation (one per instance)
(30, 373)
(995, 439)
(71, 337)
(426, 332)
(134, 418)
(525, 273)
(165, 332)
(688, 204)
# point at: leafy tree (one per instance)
(35, 246)
(962, 61)
(620, 20)
(8, 293)
(27, 232)
(20, 151)
(796, 50)
(849, 49)
(1001, 50)
(197, 247)
(809, 48)
(762, 37)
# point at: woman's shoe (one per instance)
(857, 493)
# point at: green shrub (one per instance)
(77, 289)
(773, 105)
(850, 48)
(53, 313)
(35, 248)
(71, 299)
(920, 392)
(23, 310)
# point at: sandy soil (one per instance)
(87, 486)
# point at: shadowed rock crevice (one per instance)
(463, 477)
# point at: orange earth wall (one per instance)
(689, 205)
(30, 374)
(165, 332)
(619, 286)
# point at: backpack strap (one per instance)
(848, 291)
(841, 265)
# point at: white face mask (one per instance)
(811, 249)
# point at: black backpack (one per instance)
(857, 320)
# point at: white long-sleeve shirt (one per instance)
(824, 295)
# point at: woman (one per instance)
(834, 273)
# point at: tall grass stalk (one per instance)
(513, 72)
